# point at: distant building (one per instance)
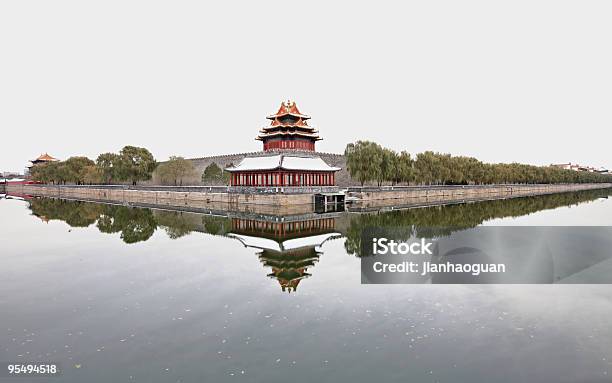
(42, 159)
(11, 175)
(288, 131)
(580, 168)
(568, 166)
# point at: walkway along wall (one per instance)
(290, 197)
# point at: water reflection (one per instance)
(442, 221)
(289, 249)
(291, 246)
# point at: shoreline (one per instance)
(294, 201)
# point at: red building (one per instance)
(282, 164)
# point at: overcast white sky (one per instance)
(527, 81)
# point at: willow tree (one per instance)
(213, 174)
(176, 170)
(135, 164)
(364, 161)
(108, 164)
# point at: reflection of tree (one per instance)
(176, 223)
(134, 224)
(74, 213)
(216, 225)
(138, 224)
(443, 220)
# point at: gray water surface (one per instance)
(119, 294)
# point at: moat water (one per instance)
(120, 294)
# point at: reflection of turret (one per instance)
(288, 248)
(289, 267)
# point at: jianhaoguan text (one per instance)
(425, 268)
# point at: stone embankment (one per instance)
(292, 198)
(468, 192)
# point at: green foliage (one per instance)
(214, 174)
(108, 163)
(175, 170)
(368, 162)
(131, 164)
(176, 223)
(74, 213)
(92, 175)
(364, 161)
(75, 170)
(133, 224)
(135, 164)
(444, 220)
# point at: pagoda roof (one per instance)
(285, 277)
(299, 123)
(282, 133)
(268, 244)
(274, 128)
(288, 108)
(282, 161)
(45, 157)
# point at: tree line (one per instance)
(369, 162)
(442, 221)
(133, 224)
(131, 164)
(178, 170)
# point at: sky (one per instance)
(513, 81)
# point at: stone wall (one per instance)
(382, 195)
(200, 199)
(388, 196)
